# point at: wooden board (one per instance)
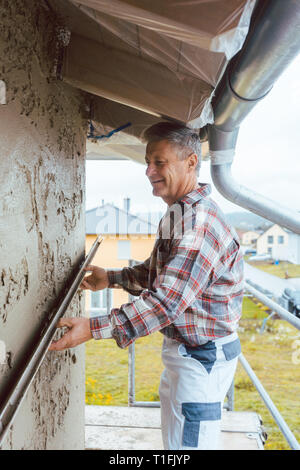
(124, 428)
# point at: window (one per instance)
(270, 238)
(270, 250)
(100, 301)
(280, 239)
(124, 249)
(95, 299)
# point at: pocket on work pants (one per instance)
(209, 371)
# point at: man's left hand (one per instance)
(78, 332)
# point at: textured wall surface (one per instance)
(42, 232)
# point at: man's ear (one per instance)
(193, 161)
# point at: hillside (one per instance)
(247, 221)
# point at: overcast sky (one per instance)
(267, 157)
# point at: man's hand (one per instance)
(79, 328)
(98, 280)
(78, 332)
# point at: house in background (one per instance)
(280, 243)
(240, 233)
(125, 237)
(250, 237)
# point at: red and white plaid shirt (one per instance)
(191, 287)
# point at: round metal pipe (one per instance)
(245, 197)
(289, 436)
(272, 43)
(282, 312)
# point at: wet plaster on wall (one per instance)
(56, 367)
(42, 148)
(14, 286)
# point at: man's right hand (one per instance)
(98, 280)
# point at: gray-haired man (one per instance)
(190, 289)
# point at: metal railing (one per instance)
(282, 312)
(290, 318)
(131, 368)
(287, 433)
(131, 383)
(17, 393)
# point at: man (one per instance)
(190, 289)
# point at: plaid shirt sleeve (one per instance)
(187, 270)
(134, 279)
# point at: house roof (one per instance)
(270, 228)
(258, 232)
(111, 220)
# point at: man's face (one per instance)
(170, 177)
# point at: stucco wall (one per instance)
(42, 148)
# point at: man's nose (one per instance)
(150, 170)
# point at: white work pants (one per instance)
(192, 391)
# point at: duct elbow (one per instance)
(250, 200)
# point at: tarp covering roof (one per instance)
(149, 60)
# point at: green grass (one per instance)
(253, 310)
(280, 270)
(107, 371)
(270, 355)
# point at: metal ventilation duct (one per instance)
(272, 43)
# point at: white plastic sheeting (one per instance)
(110, 140)
(213, 25)
(159, 59)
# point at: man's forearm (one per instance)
(132, 279)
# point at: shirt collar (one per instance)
(201, 192)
